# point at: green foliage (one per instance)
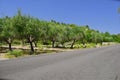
(63, 36)
(90, 45)
(7, 33)
(116, 38)
(32, 30)
(16, 42)
(15, 53)
(53, 32)
(7, 28)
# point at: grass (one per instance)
(14, 53)
(19, 51)
(26, 52)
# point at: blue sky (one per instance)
(100, 15)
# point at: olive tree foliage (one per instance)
(64, 35)
(1, 28)
(107, 37)
(75, 34)
(7, 33)
(44, 32)
(85, 35)
(32, 30)
(96, 37)
(19, 23)
(53, 32)
(116, 38)
(26, 28)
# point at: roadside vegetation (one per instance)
(22, 35)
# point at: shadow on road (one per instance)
(116, 78)
(4, 79)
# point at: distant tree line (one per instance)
(26, 28)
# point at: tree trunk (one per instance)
(53, 44)
(35, 43)
(22, 42)
(96, 43)
(31, 45)
(72, 44)
(10, 47)
(9, 42)
(101, 42)
(63, 45)
(84, 44)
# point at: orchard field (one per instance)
(24, 34)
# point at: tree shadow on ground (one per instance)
(4, 79)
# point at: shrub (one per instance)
(91, 45)
(15, 53)
(77, 46)
(16, 42)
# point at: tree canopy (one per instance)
(30, 29)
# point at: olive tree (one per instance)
(7, 31)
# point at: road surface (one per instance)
(87, 64)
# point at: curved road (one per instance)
(87, 64)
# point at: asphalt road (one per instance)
(87, 64)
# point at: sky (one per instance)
(100, 15)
